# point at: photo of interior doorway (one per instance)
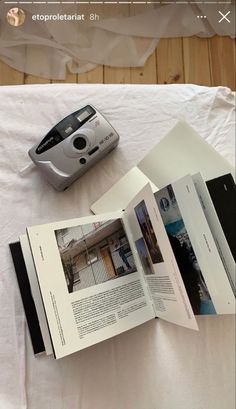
(94, 253)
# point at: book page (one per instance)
(119, 196)
(207, 255)
(187, 152)
(216, 228)
(90, 285)
(159, 266)
(184, 149)
(222, 191)
(183, 249)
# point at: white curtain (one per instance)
(124, 36)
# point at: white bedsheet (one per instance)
(154, 366)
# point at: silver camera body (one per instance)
(72, 146)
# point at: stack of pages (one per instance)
(170, 253)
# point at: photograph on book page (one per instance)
(94, 290)
(160, 268)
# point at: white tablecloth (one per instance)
(154, 366)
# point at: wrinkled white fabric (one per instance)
(125, 35)
(156, 365)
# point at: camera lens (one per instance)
(82, 161)
(79, 143)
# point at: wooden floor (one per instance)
(194, 60)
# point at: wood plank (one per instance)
(32, 79)
(170, 65)
(91, 77)
(10, 76)
(196, 61)
(71, 78)
(146, 74)
(206, 61)
(222, 61)
(113, 75)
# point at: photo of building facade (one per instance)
(148, 232)
(94, 253)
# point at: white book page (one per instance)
(159, 266)
(119, 196)
(216, 229)
(182, 151)
(36, 293)
(204, 246)
(89, 282)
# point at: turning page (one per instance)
(90, 284)
(195, 250)
(180, 152)
(160, 269)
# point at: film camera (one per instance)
(74, 145)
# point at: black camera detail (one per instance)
(80, 143)
(95, 149)
(50, 140)
(65, 128)
(82, 161)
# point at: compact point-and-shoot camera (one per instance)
(74, 145)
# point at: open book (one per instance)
(182, 151)
(92, 278)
